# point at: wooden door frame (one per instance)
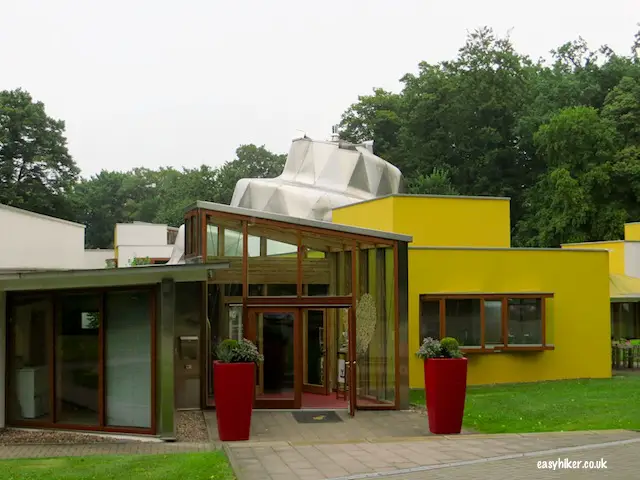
(307, 387)
(251, 329)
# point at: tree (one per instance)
(437, 182)
(36, 170)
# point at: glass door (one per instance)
(314, 336)
(276, 332)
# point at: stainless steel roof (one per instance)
(304, 222)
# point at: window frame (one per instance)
(504, 299)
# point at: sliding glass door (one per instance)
(83, 360)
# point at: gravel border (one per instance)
(191, 426)
(16, 436)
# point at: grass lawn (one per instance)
(552, 406)
(187, 466)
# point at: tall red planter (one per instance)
(445, 381)
(234, 392)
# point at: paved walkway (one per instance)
(129, 448)
(269, 426)
(418, 457)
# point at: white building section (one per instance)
(143, 240)
(33, 241)
(97, 258)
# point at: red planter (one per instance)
(445, 381)
(234, 392)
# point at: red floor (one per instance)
(313, 400)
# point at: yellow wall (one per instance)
(632, 231)
(615, 249)
(375, 214)
(435, 220)
(578, 318)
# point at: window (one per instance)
(525, 321)
(485, 322)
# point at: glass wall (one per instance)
(77, 344)
(273, 261)
(375, 327)
(82, 359)
(128, 359)
(29, 359)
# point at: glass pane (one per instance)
(275, 340)
(430, 320)
(232, 243)
(284, 290)
(128, 359)
(273, 260)
(29, 389)
(314, 351)
(317, 290)
(77, 360)
(525, 321)
(463, 321)
(493, 322)
(324, 263)
(253, 246)
(212, 241)
(375, 328)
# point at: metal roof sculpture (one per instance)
(319, 176)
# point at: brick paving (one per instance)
(268, 426)
(130, 448)
(282, 460)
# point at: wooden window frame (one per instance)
(504, 298)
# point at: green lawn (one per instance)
(552, 406)
(186, 466)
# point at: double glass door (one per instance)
(305, 352)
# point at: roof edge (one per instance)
(409, 195)
(297, 221)
(40, 215)
(512, 249)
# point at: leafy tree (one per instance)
(36, 171)
(437, 182)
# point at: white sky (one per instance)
(157, 83)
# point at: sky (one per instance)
(150, 83)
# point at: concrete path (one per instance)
(416, 457)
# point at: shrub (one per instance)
(447, 348)
(234, 351)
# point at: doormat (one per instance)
(317, 417)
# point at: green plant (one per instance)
(137, 261)
(234, 351)
(446, 348)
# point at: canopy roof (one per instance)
(623, 288)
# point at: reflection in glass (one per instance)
(314, 347)
(525, 321)
(463, 321)
(275, 340)
(493, 322)
(30, 353)
(430, 320)
(128, 359)
(77, 346)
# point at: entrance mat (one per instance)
(316, 417)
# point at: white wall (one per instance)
(632, 259)
(140, 234)
(128, 253)
(32, 241)
(97, 258)
(3, 356)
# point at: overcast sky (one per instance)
(157, 83)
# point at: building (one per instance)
(140, 241)
(624, 279)
(39, 241)
(521, 315)
(338, 308)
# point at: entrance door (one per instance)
(276, 332)
(315, 348)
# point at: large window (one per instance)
(482, 322)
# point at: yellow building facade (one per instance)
(520, 315)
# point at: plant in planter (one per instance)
(235, 376)
(445, 382)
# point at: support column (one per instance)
(403, 324)
(165, 391)
(3, 357)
